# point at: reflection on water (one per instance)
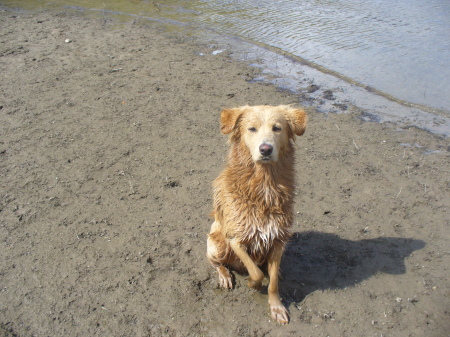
(399, 47)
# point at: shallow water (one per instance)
(399, 49)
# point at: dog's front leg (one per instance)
(256, 275)
(277, 310)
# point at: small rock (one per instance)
(328, 94)
(312, 88)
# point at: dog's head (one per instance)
(265, 130)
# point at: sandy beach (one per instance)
(109, 143)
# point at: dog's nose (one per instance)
(265, 149)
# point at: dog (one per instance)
(253, 197)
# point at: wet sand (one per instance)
(109, 144)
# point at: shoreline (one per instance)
(332, 91)
(110, 143)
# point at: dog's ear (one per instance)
(297, 120)
(229, 119)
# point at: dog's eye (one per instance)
(252, 129)
(276, 128)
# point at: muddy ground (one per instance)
(109, 144)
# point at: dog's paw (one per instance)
(279, 313)
(225, 278)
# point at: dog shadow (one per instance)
(319, 261)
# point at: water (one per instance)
(398, 49)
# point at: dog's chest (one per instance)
(259, 238)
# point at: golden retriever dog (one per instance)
(253, 197)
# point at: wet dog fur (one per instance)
(253, 197)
